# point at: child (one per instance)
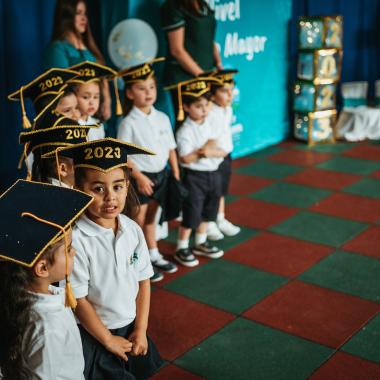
(68, 105)
(200, 157)
(220, 116)
(112, 267)
(40, 339)
(88, 91)
(50, 131)
(145, 125)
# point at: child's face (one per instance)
(197, 110)
(88, 95)
(143, 94)
(80, 21)
(57, 271)
(223, 96)
(109, 191)
(68, 106)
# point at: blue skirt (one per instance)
(101, 364)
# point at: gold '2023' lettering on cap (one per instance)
(100, 152)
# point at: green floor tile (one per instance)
(267, 152)
(230, 242)
(245, 350)
(319, 228)
(291, 195)
(367, 187)
(269, 170)
(327, 148)
(350, 165)
(349, 273)
(231, 198)
(366, 343)
(226, 285)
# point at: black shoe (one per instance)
(185, 257)
(164, 265)
(207, 250)
(157, 276)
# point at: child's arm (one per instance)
(144, 184)
(191, 157)
(138, 336)
(211, 149)
(88, 318)
(173, 162)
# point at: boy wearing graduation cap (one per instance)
(200, 156)
(39, 335)
(112, 267)
(220, 117)
(87, 87)
(144, 125)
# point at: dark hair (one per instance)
(193, 6)
(45, 168)
(132, 204)
(65, 11)
(192, 99)
(16, 313)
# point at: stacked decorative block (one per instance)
(318, 72)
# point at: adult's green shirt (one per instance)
(198, 41)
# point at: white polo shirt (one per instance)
(192, 136)
(93, 133)
(108, 268)
(221, 118)
(152, 131)
(52, 346)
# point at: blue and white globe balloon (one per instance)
(132, 42)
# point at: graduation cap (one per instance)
(46, 86)
(104, 155)
(193, 88)
(225, 77)
(31, 222)
(95, 72)
(140, 72)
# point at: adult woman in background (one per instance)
(190, 26)
(72, 43)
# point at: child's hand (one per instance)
(140, 343)
(119, 346)
(144, 185)
(210, 143)
(206, 151)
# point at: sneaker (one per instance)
(157, 276)
(208, 250)
(213, 232)
(185, 257)
(164, 265)
(227, 228)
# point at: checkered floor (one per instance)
(297, 294)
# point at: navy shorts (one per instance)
(160, 180)
(225, 170)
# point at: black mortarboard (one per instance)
(46, 86)
(104, 155)
(138, 73)
(33, 217)
(225, 77)
(193, 88)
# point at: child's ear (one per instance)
(41, 269)
(129, 94)
(185, 107)
(64, 169)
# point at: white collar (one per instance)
(194, 124)
(90, 228)
(140, 114)
(50, 302)
(55, 182)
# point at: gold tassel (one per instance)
(25, 121)
(70, 300)
(181, 114)
(119, 110)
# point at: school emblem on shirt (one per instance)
(133, 258)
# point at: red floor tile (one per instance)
(366, 152)
(240, 162)
(324, 179)
(350, 207)
(376, 174)
(367, 243)
(299, 157)
(278, 254)
(343, 366)
(178, 323)
(245, 184)
(172, 372)
(258, 214)
(289, 144)
(321, 315)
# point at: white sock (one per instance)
(200, 238)
(220, 217)
(182, 244)
(154, 254)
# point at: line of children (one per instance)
(144, 125)
(40, 339)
